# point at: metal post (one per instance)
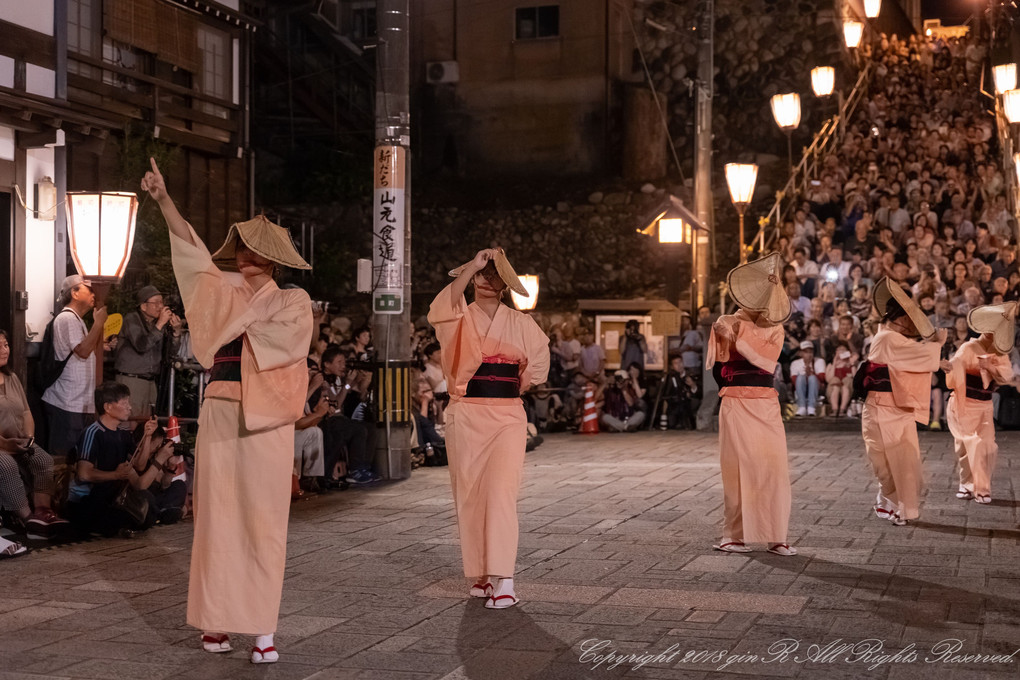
(740, 236)
(703, 145)
(789, 148)
(391, 297)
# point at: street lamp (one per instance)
(530, 283)
(741, 178)
(786, 111)
(1005, 77)
(1016, 166)
(852, 32)
(100, 232)
(823, 79)
(677, 227)
(1011, 105)
(872, 8)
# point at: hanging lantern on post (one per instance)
(823, 80)
(530, 283)
(872, 8)
(100, 233)
(741, 178)
(786, 110)
(1011, 105)
(1005, 77)
(852, 32)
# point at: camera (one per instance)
(323, 306)
(832, 275)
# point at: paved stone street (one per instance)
(615, 547)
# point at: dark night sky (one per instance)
(951, 12)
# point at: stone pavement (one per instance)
(615, 559)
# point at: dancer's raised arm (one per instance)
(154, 184)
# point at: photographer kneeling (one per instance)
(110, 489)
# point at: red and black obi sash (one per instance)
(876, 377)
(739, 372)
(495, 381)
(976, 389)
(227, 362)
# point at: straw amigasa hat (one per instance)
(886, 290)
(999, 320)
(758, 287)
(506, 272)
(264, 238)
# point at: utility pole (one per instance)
(391, 240)
(703, 148)
(703, 189)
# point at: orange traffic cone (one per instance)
(590, 419)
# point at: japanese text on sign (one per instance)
(388, 230)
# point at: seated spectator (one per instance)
(18, 452)
(807, 272)
(339, 431)
(573, 402)
(433, 373)
(807, 373)
(680, 396)
(548, 408)
(620, 405)
(108, 460)
(637, 385)
(319, 346)
(798, 302)
(839, 378)
(845, 332)
(971, 298)
(1006, 263)
(430, 445)
(860, 302)
(309, 466)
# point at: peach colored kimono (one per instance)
(887, 421)
(752, 439)
(970, 420)
(485, 438)
(245, 446)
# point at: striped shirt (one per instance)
(105, 449)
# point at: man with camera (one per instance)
(140, 347)
(633, 345)
(339, 430)
(620, 405)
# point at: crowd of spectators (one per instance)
(915, 193)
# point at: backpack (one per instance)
(49, 368)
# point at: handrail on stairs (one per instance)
(831, 134)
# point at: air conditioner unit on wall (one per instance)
(442, 72)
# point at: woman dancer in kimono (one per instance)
(897, 378)
(972, 374)
(253, 337)
(742, 352)
(491, 353)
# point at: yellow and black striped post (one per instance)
(393, 392)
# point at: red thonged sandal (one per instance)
(501, 602)
(481, 589)
(732, 546)
(216, 644)
(267, 655)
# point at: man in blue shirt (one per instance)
(107, 458)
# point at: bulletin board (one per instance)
(610, 328)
